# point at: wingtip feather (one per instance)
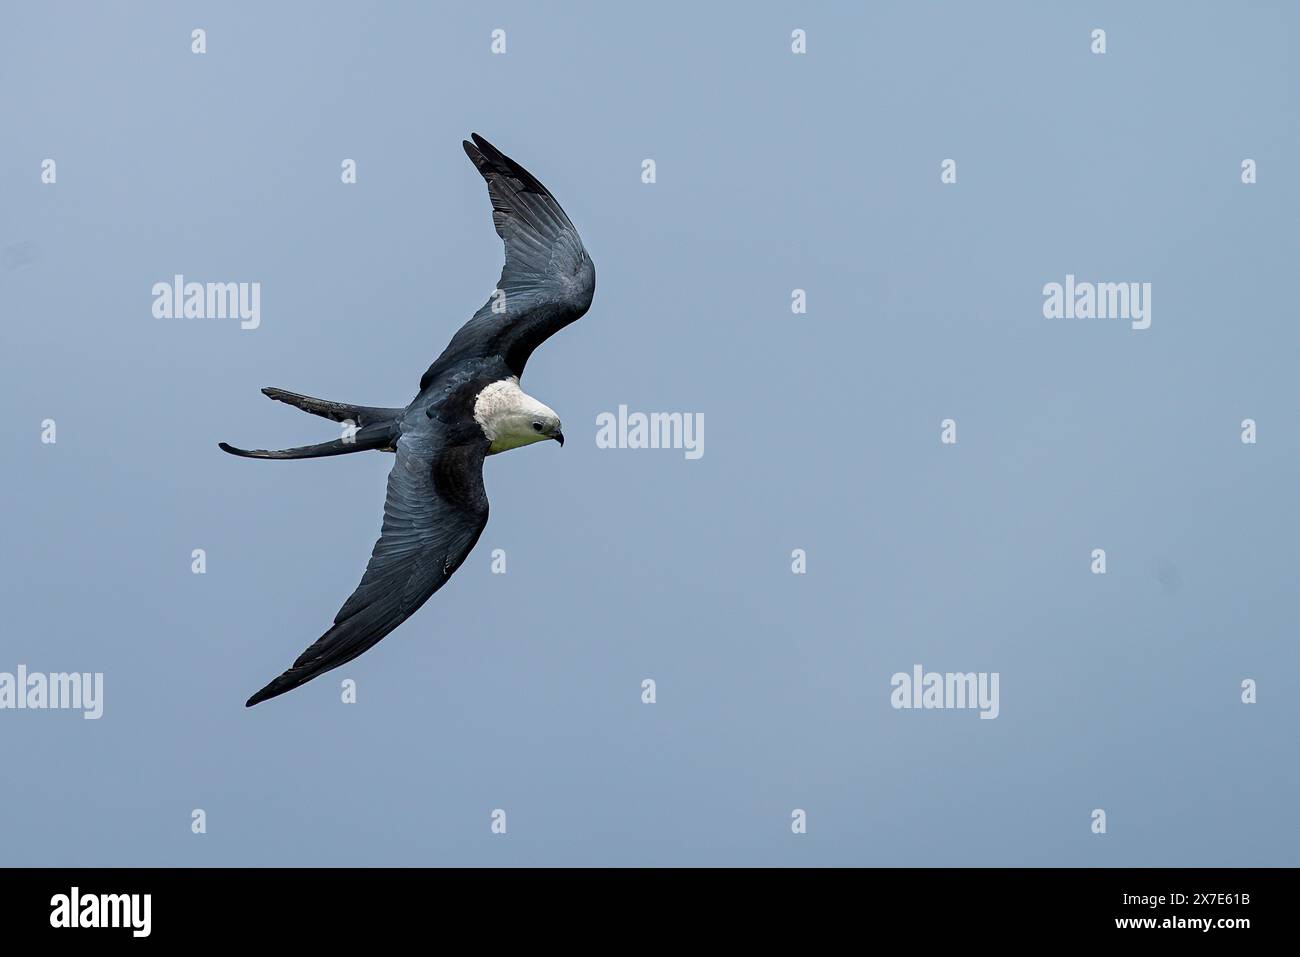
(272, 690)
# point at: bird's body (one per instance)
(469, 406)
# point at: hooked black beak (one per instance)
(559, 437)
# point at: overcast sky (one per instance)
(774, 171)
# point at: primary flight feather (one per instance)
(469, 406)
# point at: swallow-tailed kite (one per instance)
(469, 406)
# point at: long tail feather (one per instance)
(372, 437)
(362, 415)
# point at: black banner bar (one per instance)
(331, 906)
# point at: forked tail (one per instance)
(374, 428)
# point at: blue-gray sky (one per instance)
(775, 171)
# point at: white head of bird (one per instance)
(511, 418)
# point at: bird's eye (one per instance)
(537, 426)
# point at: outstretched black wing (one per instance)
(434, 512)
(548, 279)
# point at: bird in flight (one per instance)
(469, 406)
